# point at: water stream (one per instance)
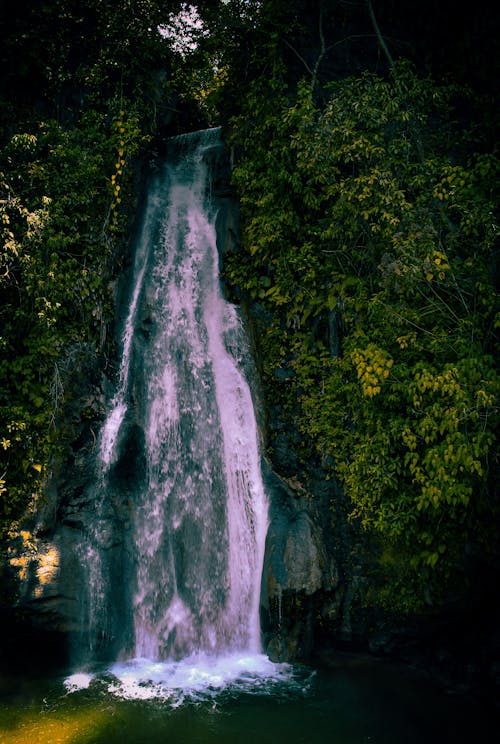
(180, 441)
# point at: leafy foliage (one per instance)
(60, 225)
(71, 126)
(369, 237)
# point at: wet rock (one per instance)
(301, 574)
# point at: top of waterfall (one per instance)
(200, 140)
(210, 133)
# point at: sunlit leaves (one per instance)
(373, 367)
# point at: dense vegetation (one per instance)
(370, 235)
(368, 193)
(77, 104)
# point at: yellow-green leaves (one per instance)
(371, 253)
(125, 137)
(373, 367)
(435, 266)
(447, 445)
(57, 248)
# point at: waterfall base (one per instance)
(193, 679)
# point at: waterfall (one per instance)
(178, 465)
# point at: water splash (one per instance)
(198, 679)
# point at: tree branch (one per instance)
(379, 36)
(385, 49)
(322, 48)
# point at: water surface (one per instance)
(357, 701)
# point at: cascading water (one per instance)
(182, 428)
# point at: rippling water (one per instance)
(241, 701)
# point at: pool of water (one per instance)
(357, 700)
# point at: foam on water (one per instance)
(78, 681)
(195, 679)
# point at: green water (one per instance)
(357, 701)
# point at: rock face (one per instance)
(301, 574)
